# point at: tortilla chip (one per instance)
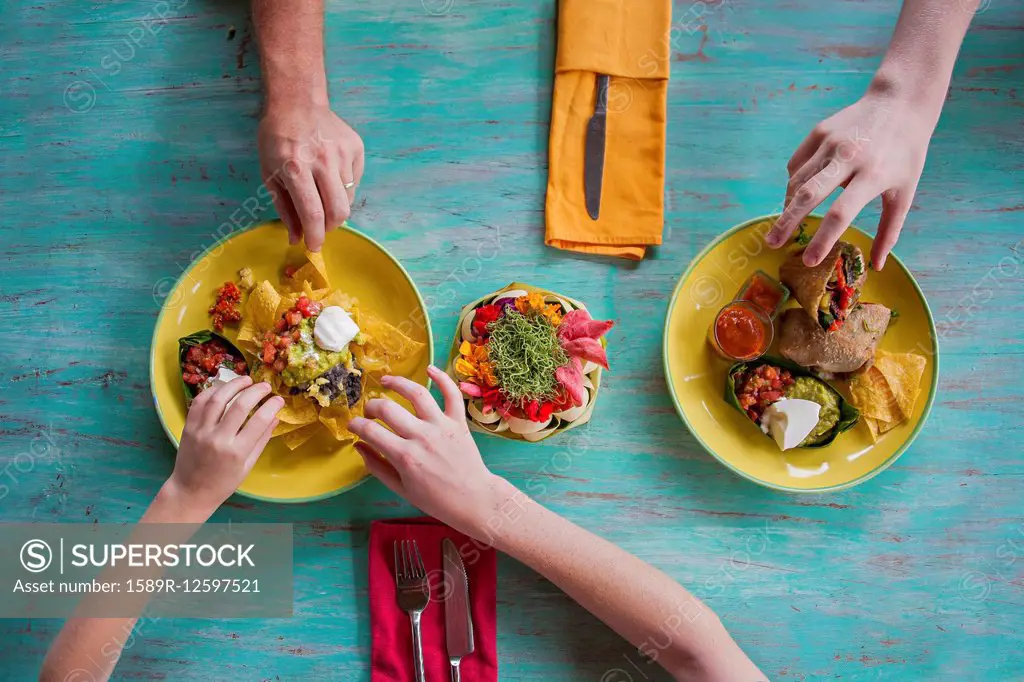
(385, 344)
(296, 438)
(872, 428)
(336, 418)
(283, 428)
(262, 306)
(341, 299)
(297, 410)
(872, 396)
(316, 260)
(903, 372)
(246, 332)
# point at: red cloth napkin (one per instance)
(391, 659)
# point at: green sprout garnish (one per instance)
(802, 238)
(525, 352)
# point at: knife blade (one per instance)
(458, 619)
(593, 162)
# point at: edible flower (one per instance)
(484, 316)
(530, 303)
(473, 364)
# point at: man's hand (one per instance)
(219, 447)
(876, 146)
(312, 162)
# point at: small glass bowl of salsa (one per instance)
(742, 331)
(766, 291)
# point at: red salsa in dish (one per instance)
(765, 292)
(226, 308)
(741, 332)
(203, 361)
(758, 388)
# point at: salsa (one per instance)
(288, 331)
(765, 292)
(741, 332)
(203, 361)
(758, 388)
(226, 307)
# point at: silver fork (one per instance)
(413, 594)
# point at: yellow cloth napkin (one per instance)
(629, 41)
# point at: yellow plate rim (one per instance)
(682, 415)
(152, 355)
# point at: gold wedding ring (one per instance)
(349, 185)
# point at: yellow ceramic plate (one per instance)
(696, 375)
(357, 265)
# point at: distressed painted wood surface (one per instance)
(118, 161)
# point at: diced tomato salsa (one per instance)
(226, 308)
(758, 388)
(203, 361)
(286, 331)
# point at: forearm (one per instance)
(95, 644)
(923, 50)
(643, 605)
(290, 34)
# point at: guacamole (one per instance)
(808, 388)
(307, 361)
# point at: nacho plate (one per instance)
(358, 266)
(695, 375)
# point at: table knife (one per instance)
(593, 161)
(458, 619)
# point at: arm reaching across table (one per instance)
(432, 461)
(877, 146)
(310, 159)
(216, 454)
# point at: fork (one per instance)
(413, 594)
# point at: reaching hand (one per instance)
(311, 162)
(217, 451)
(430, 458)
(876, 146)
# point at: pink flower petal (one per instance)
(571, 377)
(577, 324)
(471, 389)
(588, 349)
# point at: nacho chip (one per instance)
(316, 260)
(246, 332)
(872, 428)
(261, 308)
(903, 372)
(386, 346)
(871, 394)
(336, 418)
(298, 437)
(283, 428)
(297, 410)
(343, 300)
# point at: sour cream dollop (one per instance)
(334, 329)
(223, 376)
(790, 420)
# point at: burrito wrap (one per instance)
(808, 285)
(848, 349)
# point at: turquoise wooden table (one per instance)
(119, 159)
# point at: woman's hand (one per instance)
(219, 447)
(307, 157)
(876, 146)
(430, 458)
